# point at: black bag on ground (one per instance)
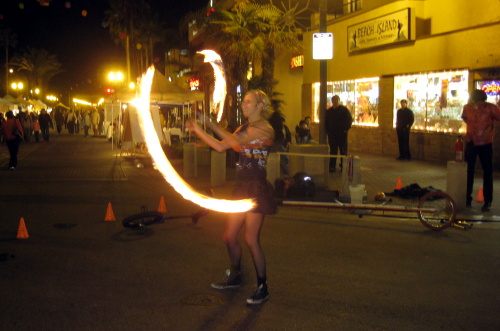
(300, 186)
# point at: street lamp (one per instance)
(17, 87)
(115, 76)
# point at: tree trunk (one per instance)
(268, 71)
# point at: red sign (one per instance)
(297, 61)
(194, 84)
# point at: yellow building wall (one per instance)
(289, 85)
(450, 34)
(466, 48)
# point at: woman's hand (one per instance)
(191, 124)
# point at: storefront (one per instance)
(436, 98)
(360, 96)
(392, 52)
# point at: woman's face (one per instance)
(250, 105)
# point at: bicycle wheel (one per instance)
(142, 219)
(437, 210)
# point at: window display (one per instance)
(436, 98)
(360, 96)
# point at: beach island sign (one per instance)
(388, 29)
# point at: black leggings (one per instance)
(13, 146)
(485, 154)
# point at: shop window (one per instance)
(436, 98)
(360, 96)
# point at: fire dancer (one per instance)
(252, 141)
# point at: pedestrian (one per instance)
(78, 121)
(95, 119)
(45, 124)
(12, 140)
(100, 128)
(36, 128)
(252, 141)
(27, 123)
(86, 123)
(282, 140)
(59, 117)
(338, 121)
(404, 121)
(71, 121)
(2, 119)
(480, 117)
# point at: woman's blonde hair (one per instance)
(260, 96)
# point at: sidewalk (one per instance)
(379, 173)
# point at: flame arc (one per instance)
(219, 95)
(165, 167)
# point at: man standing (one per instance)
(45, 122)
(337, 122)
(404, 121)
(480, 117)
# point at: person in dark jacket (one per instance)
(404, 121)
(338, 121)
(45, 123)
(12, 141)
(282, 140)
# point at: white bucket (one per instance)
(357, 192)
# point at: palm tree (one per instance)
(153, 29)
(283, 32)
(39, 67)
(251, 32)
(132, 22)
(7, 39)
(240, 41)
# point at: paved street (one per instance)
(327, 269)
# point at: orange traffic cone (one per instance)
(161, 206)
(480, 196)
(399, 183)
(22, 232)
(110, 216)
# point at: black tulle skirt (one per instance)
(261, 191)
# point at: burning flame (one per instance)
(219, 95)
(164, 166)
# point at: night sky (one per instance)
(80, 43)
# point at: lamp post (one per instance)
(322, 76)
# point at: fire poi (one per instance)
(165, 167)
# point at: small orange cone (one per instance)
(399, 183)
(110, 216)
(22, 232)
(480, 196)
(161, 206)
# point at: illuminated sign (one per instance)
(491, 88)
(388, 29)
(297, 61)
(323, 46)
(194, 84)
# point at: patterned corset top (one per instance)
(252, 158)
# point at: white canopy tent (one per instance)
(163, 94)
